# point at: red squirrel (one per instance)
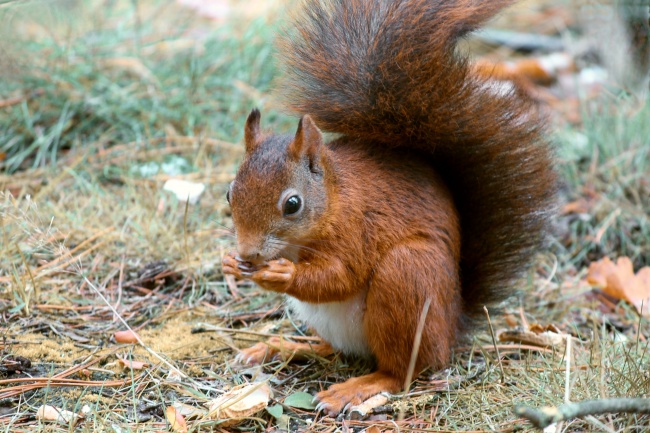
(438, 186)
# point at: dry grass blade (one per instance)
(494, 342)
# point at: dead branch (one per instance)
(542, 418)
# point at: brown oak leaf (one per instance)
(620, 281)
(176, 421)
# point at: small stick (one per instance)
(494, 341)
(524, 322)
(542, 418)
(414, 353)
(21, 389)
(362, 410)
(120, 281)
(187, 250)
(65, 381)
(567, 374)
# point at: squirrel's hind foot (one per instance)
(355, 391)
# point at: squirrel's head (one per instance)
(279, 194)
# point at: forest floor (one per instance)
(102, 102)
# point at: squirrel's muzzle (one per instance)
(250, 252)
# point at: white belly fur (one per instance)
(338, 323)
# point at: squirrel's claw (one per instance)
(245, 268)
(230, 265)
(277, 275)
(255, 354)
(342, 396)
(325, 408)
(333, 402)
(241, 358)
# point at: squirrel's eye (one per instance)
(292, 205)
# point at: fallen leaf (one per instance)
(301, 400)
(542, 69)
(282, 420)
(618, 280)
(276, 411)
(127, 337)
(240, 402)
(135, 365)
(174, 376)
(175, 419)
(51, 413)
(539, 329)
(536, 335)
(189, 411)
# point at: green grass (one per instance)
(87, 143)
(607, 162)
(83, 97)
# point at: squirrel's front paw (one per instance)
(276, 275)
(258, 353)
(231, 264)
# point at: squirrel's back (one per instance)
(389, 72)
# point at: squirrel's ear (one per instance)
(252, 130)
(307, 141)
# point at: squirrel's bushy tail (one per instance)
(390, 71)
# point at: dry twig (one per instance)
(542, 418)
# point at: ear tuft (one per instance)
(252, 130)
(307, 141)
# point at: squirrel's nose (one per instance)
(250, 255)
